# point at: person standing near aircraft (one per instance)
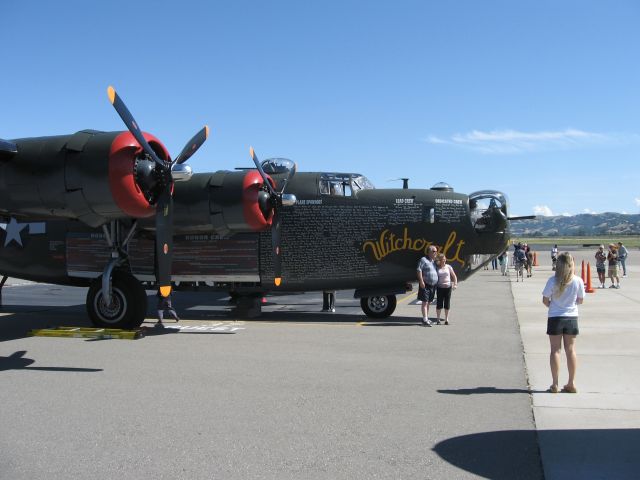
(447, 282)
(562, 294)
(600, 266)
(622, 256)
(428, 280)
(329, 301)
(504, 262)
(554, 257)
(612, 257)
(164, 304)
(529, 252)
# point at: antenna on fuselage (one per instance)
(405, 182)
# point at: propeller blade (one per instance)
(274, 200)
(275, 244)
(164, 241)
(132, 125)
(193, 145)
(526, 217)
(262, 174)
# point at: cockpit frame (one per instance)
(343, 184)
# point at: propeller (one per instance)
(271, 200)
(526, 217)
(153, 176)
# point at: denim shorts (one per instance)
(562, 326)
(427, 294)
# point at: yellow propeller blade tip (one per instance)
(112, 94)
(165, 290)
(278, 281)
(207, 130)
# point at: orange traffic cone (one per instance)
(582, 276)
(589, 288)
(535, 259)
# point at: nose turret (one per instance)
(489, 214)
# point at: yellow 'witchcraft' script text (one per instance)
(388, 243)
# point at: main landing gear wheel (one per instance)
(128, 307)
(378, 307)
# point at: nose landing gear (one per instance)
(380, 306)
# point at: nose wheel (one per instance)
(380, 306)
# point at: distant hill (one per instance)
(587, 224)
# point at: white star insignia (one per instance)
(13, 229)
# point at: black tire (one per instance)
(378, 307)
(128, 308)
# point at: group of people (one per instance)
(437, 280)
(562, 294)
(615, 259)
(523, 258)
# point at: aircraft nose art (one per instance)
(128, 193)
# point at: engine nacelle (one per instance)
(222, 203)
(90, 176)
(234, 199)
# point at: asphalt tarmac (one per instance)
(296, 394)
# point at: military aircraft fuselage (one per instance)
(340, 234)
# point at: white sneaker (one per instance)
(426, 322)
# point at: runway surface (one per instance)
(294, 394)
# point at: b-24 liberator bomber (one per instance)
(113, 212)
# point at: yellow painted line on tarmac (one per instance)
(407, 297)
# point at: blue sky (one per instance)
(538, 99)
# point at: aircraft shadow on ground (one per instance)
(17, 321)
(18, 361)
(323, 317)
(515, 453)
(485, 390)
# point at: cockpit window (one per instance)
(361, 182)
(343, 184)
